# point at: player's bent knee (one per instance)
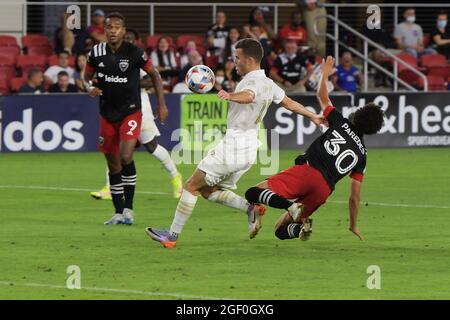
(151, 146)
(252, 194)
(280, 233)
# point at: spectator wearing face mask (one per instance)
(409, 36)
(440, 37)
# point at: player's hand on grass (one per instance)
(355, 230)
(94, 92)
(223, 95)
(162, 113)
(328, 65)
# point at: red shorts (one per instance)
(302, 183)
(112, 133)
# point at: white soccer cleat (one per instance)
(116, 219)
(295, 211)
(128, 216)
(254, 219)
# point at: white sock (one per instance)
(184, 210)
(163, 156)
(107, 177)
(229, 199)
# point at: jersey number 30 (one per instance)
(333, 148)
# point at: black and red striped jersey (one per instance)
(338, 151)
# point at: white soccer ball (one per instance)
(200, 79)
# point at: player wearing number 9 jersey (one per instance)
(336, 153)
(117, 64)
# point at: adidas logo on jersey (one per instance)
(115, 79)
(101, 64)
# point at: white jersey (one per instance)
(149, 130)
(145, 100)
(248, 117)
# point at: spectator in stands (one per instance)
(190, 46)
(291, 68)
(63, 85)
(230, 46)
(310, 10)
(231, 75)
(163, 59)
(218, 33)
(409, 35)
(440, 37)
(70, 40)
(34, 82)
(347, 77)
(79, 72)
(96, 31)
(51, 74)
(293, 31)
(257, 18)
(194, 58)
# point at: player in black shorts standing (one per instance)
(117, 65)
(337, 152)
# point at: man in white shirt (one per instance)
(51, 74)
(234, 155)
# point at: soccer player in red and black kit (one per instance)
(337, 152)
(117, 64)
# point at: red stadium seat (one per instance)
(183, 39)
(38, 50)
(13, 51)
(152, 41)
(7, 59)
(7, 72)
(35, 40)
(212, 62)
(202, 50)
(406, 74)
(6, 40)
(435, 83)
(25, 63)
(16, 83)
(430, 60)
(4, 87)
(53, 60)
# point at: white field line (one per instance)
(382, 204)
(95, 289)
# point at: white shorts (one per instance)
(228, 161)
(149, 130)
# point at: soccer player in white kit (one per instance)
(149, 132)
(234, 155)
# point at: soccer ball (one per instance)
(200, 79)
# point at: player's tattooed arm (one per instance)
(322, 91)
(242, 97)
(353, 206)
(300, 109)
(161, 112)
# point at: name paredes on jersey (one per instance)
(113, 79)
(354, 137)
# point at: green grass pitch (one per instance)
(404, 216)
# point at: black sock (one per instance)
(266, 196)
(129, 183)
(116, 186)
(288, 231)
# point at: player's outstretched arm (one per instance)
(353, 206)
(300, 109)
(88, 75)
(243, 97)
(162, 111)
(322, 91)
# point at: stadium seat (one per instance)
(6, 40)
(7, 72)
(25, 63)
(183, 39)
(202, 50)
(34, 40)
(38, 50)
(53, 60)
(13, 51)
(4, 87)
(406, 74)
(436, 65)
(435, 83)
(212, 62)
(152, 41)
(8, 59)
(16, 83)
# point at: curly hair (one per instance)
(369, 119)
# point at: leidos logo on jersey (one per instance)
(115, 79)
